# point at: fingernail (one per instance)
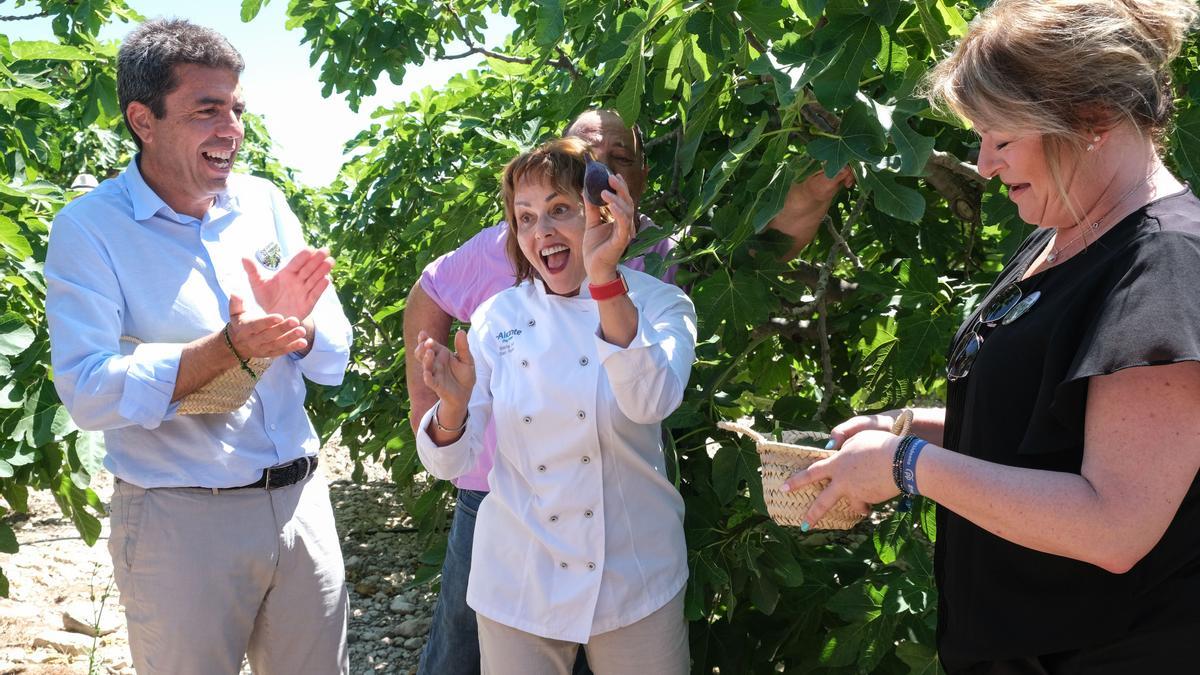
(804, 526)
(830, 444)
(785, 488)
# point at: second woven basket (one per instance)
(780, 460)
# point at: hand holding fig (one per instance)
(605, 241)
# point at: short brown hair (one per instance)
(562, 162)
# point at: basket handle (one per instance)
(744, 430)
(900, 427)
(903, 423)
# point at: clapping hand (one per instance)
(604, 242)
(264, 336)
(294, 290)
(451, 375)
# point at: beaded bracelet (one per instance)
(243, 362)
(904, 464)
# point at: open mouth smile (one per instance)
(220, 160)
(555, 258)
(1017, 189)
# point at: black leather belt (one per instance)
(281, 476)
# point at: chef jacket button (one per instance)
(583, 360)
(524, 363)
(587, 514)
(581, 415)
(562, 565)
(533, 323)
(591, 566)
(586, 459)
(554, 519)
(542, 468)
(527, 419)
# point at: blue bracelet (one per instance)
(908, 475)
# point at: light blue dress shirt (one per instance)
(121, 262)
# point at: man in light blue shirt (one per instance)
(159, 281)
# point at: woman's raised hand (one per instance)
(604, 242)
(450, 374)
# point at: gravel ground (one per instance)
(55, 573)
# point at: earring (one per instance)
(1092, 146)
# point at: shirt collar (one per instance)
(147, 203)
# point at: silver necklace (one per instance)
(1095, 226)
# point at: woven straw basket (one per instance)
(780, 460)
(225, 393)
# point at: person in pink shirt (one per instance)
(452, 286)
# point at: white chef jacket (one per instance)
(582, 533)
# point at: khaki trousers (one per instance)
(207, 578)
(658, 645)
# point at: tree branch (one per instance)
(562, 61)
(948, 161)
(39, 15)
(827, 384)
(810, 274)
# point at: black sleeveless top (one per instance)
(1132, 298)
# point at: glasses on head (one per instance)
(1008, 306)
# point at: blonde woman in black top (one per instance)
(1065, 463)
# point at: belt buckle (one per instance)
(267, 478)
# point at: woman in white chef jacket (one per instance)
(581, 539)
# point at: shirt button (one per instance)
(533, 323)
(527, 419)
(524, 363)
(583, 360)
(562, 565)
(554, 519)
(542, 468)
(587, 514)
(591, 566)
(581, 415)
(272, 427)
(586, 459)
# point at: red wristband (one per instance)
(609, 290)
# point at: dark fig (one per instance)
(595, 182)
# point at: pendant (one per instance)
(1052, 257)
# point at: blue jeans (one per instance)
(453, 644)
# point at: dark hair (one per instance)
(562, 162)
(147, 60)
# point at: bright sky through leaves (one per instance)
(280, 85)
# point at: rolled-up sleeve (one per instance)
(648, 378)
(101, 388)
(460, 457)
(326, 362)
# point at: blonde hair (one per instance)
(560, 161)
(1065, 69)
